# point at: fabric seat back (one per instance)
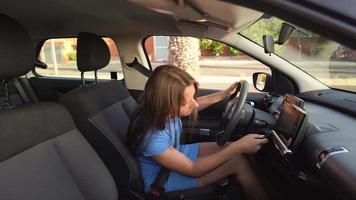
(102, 112)
(42, 154)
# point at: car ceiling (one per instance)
(53, 18)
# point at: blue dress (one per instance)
(156, 143)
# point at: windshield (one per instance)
(328, 61)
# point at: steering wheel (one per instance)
(232, 114)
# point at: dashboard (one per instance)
(324, 137)
(331, 145)
(318, 150)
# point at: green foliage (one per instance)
(317, 48)
(262, 27)
(205, 43)
(217, 47)
(234, 52)
(72, 55)
(262, 78)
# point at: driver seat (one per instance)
(102, 111)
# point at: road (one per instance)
(219, 74)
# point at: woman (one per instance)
(171, 93)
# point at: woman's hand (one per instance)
(250, 143)
(232, 88)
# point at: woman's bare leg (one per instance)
(238, 167)
(208, 148)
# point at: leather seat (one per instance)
(42, 154)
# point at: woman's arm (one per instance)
(207, 100)
(175, 160)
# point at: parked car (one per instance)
(342, 62)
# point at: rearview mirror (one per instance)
(262, 81)
(268, 43)
(284, 33)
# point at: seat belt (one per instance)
(157, 187)
(28, 88)
(21, 91)
(139, 67)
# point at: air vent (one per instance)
(326, 153)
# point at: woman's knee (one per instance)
(239, 163)
(238, 159)
(208, 148)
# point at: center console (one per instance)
(291, 126)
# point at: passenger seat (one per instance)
(102, 112)
(42, 154)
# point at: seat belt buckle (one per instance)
(157, 191)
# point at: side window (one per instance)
(60, 56)
(213, 64)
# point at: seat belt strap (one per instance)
(21, 91)
(139, 67)
(28, 88)
(157, 188)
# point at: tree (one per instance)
(184, 52)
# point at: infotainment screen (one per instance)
(294, 100)
(290, 123)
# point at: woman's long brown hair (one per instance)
(161, 100)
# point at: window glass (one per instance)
(60, 56)
(326, 60)
(213, 64)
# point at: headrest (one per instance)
(92, 52)
(17, 54)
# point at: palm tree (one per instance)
(184, 52)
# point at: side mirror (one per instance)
(268, 44)
(262, 81)
(284, 33)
